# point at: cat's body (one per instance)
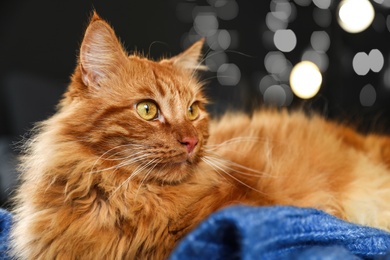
(129, 164)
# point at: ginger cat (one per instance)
(130, 162)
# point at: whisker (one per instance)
(122, 158)
(122, 164)
(230, 164)
(212, 166)
(153, 43)
(147, 175)
(136, 172)
(230, 175)
(106, 152)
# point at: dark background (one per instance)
(39, 43)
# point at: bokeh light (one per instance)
(283, 10)
(266, 82)
(229, 74)
(360, 63)
(278, 95)
(285, 40)
(215, 59)
(376, 60)
(318, 58)
(226, 9)
(384, 3)
(305, 79)
(355, 16)
(303, 2)
(320, 41)
(274, 23)
(367, 96)
(388, 23)
(322, 17)
(386, 78)
(275, 62)
(323, 4)
(283, 44)
(220, 40)
(205, 24)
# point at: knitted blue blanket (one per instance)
(243, 232)
(281, 233)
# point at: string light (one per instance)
(355, 16)
(279, 81)
(305, 79)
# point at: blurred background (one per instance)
(328, 56)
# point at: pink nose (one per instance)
(190, 143)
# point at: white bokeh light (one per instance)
(266, 82)
(376, 60)
(323, 4)
(215, 59)
(318, 58)
(285, 40)
(360, 63)
(355, 16)
(275, 62)
(228, 74)
(282, 9)
(274, 23)
(206, 24)
(305, 79)
(275, 95)
(320, 41)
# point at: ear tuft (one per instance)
(100, 53)
(191, 58)
(94, 17)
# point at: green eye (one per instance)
(147, 110)
(193, 111)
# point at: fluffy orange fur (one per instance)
(100, 180)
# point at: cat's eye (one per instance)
(193, 111)
(148, 110)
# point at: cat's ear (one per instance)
(190, 58)
(100, 53)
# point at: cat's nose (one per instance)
(190, 143)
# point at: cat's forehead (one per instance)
(161, 79)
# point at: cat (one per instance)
(131, 162)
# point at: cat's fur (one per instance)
(100, 181)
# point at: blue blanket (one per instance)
(5, 225)
(281, 233)
(242, 232)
